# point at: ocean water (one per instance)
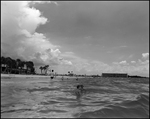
(103, 98)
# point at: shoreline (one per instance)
(32, 76)
(21, 75)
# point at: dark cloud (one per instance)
(108, 24)
(96, 18)
(89, 29)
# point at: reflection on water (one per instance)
(104, 97)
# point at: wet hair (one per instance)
(79, 86)
(52, 77)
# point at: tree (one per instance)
(3, 60)
(18, 61)
(41, 69)
(30, 66)
(3, 63)
(8, 65)
(24, 66)
(45, 68)
(13, 66)
(33, 71)
(18, 64)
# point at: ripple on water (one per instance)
(49, 98)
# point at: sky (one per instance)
(86, 37)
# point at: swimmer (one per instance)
(76, 78)
(52, 74)
(52, 77)
(62, 78)
(79, 90)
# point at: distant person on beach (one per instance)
(77, 78)
(62, 78)
(52, 74)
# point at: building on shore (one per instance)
(114, 75)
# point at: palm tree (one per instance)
(45, 68)
(41, 69)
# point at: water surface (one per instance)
(104, 97)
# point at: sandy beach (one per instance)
(33, 76)
(18, 75)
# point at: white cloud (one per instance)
(67, 62)
(135, 68)
(80, 65)
(145, 55)
(143, 62)
(133, 62)
(123, 62)
(19, 38)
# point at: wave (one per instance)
(103, 98)
(42, 89)
(138, 108)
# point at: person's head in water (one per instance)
(80, 87)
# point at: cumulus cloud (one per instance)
(80, 65)
(19, 38)
(133, 61)
(121, 63)
(143, 62)
(145, 55)
(98, 67)
(140, 67)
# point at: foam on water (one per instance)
(104, 97)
